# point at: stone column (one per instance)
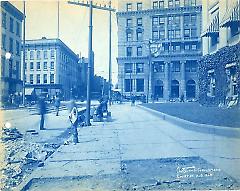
(183, 80)
(166, 91)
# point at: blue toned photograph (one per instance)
(119, 95)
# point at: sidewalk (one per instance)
(135, 134)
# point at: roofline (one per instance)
(49, 41)
(12, 10)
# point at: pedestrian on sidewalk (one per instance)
(42, 112)
(133, 100)
(57, 104)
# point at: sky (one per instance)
(41, 21)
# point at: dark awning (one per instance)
(213, 28)
(231, 17)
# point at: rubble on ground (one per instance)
(22, 156)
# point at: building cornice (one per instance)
(161, 56)
(42, 43)
(12, 10)
(164, 11)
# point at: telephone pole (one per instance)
(91, 6)
(24, 54)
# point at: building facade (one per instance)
(11, 39)
(219, 66)
(159, 45)
(52, 68)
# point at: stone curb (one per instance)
(203, 128)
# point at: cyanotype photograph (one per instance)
(119, 95)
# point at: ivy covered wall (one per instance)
(217, 62)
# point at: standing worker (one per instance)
(42, 112)
(57, 104)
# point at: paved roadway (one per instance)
(135, 134)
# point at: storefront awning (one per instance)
(213, 28)
(29, 91)
(231, 17)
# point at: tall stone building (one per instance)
(11, 39)
(219, 68)
(51, 67)
(159, 45)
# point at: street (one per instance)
(137, 150)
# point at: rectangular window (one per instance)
(186, 47)
(3, 41)
(186, 33)
(170, 20)
(44, 78)
(170, 34)
(25, 65)
(31, 55)
(31, 78)
(155, 4)
(17, 28)
(193, 19)
(140, 85)
(129, 6)
(38, 78)
(176, 66)
(177, 33)
(177, 48)
(186, 19)
(129, 36)
(139, 6)
(45, 54)
(162, 34)
(51, 78)
(170, 3)
(214, 40)
(52, 65)
(38, 65)
(139, 51)
(17, 48)
(52, 53)
(194, 47)
(139, 21)
(129, 22)
(128, 85)
(194, 33)
(234, 29)
(128, 67)
(161, 20)
(10, 45)
(31, 65)
(11, 25)
(4, 20)
(3, 66)
(45, 65)
(17, 70)
(129, 51)
(177, 3)
(155, 35)
(177, 20)
(161, 4)
(139, 36)
(139, 68)
(38, 54)
(158, 66)
(155, 21)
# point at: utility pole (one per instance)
(58, 19)
(24, 39)
(91, 6)
(110, 54)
